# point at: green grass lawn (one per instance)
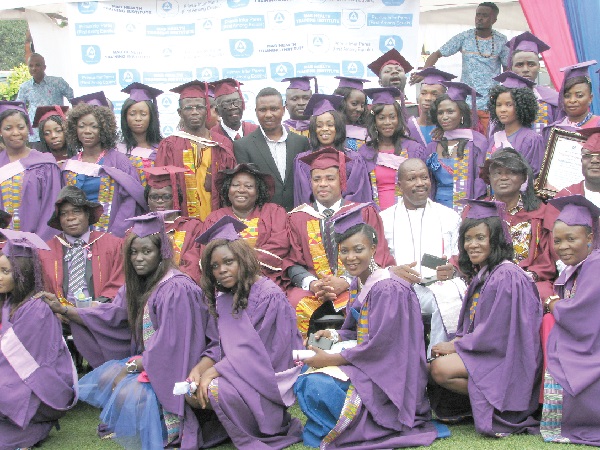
(78, 431)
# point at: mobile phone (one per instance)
(432, 262)
(323, 343)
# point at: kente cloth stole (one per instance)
(105, 197)
(373, 180)
(190, 161)
(473, 308)
(250, 234)
(460, 178)
(178, 237)
(138, 163)
(552, 411)
(521, 236)
(11, 198)
(543, 117)
(171, 420)
(353, 401)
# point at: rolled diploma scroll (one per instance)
(184, 387)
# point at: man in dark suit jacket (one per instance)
(271, 147)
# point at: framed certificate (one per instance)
(562, 162)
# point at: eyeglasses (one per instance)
(230, 103)
(190, 108)
(158, 197)
(589, 156)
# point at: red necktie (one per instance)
(237, 136)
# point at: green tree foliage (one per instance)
(9, 90)
(12, 43)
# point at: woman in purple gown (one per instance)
(513, 108)
(388, 145)
(360, 400)
(492, 369)
(50, 122)
(155, 330)
(354, 110)
(571, 413)
(104, 174)
(38, 379)
(250, 386)
(454, 160)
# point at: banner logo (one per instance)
(207, 73)
(237, 3)
(241, 48)
(167, 8)
(166, 102)
(87, 7)
(354, 69)
(128, 76)
(90, 54)
(281, 70)
(388, 42)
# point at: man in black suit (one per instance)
(271, 148)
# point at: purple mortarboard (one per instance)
(576, 70)
(392, 56)
(431, 75)
(513, 81)
(525, 42)
(302, 83)
(24, 244)
(322, 103)
(140, 92)
(383, 95)
(354, 83)
(44, 112)
(153, 223)
(345, 219)
(592, 145)
(17, 105)
(163, 176)
(578, 210)
(94, 99)
(211, 90)
(226, 227)
(481, 209)
(459, 92)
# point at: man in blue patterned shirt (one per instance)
(484, 53)
(42, 90)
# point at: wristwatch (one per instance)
(131, 367)
(548, 301)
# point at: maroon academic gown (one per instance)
(37, 375)
(272, 244)
(170, 153)
(300, 247)
(107, 265)
(189, 254)
(39, 189)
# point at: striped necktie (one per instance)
(329, 240)
(76, 257)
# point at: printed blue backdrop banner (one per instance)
(258, 42)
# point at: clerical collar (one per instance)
(85, 237)
(231, 132)
(335, 207)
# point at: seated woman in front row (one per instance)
(149, 338)
(250, 387)
(362, 400)
(492, 369)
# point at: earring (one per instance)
(462, 120)
(373, 265)
(218, 283)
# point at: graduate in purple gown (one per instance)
(492, 369)
(575, 98)
(104, 174)
(524, 60)
(455, 159)
(327, 129)
(140, 126)
(250, 387)
(297, 96)
(51, 124)
(158, 327)
(359, 400)
(29, 180)
(39, 381)
(571, 413)
(513, 109)
(354, 110)
(388, 145)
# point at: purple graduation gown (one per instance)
(256, 370)
(39, 189)
(502, 351)
(414, 131)
(526, 141)
(358, 187)
(128, 200)
(185, 332)
(37, 375)
(388, 369)
(573, 351)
